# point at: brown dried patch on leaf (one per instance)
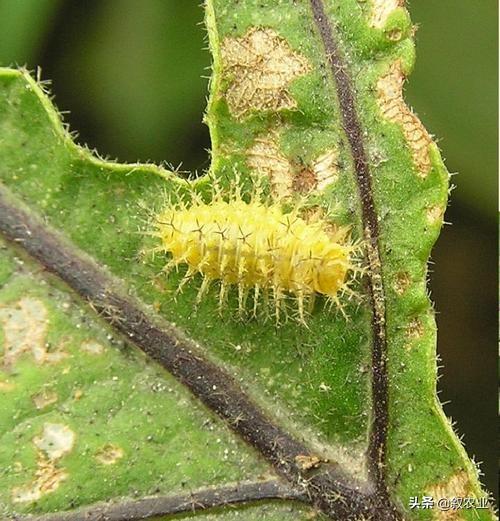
(402, 282)
(322, 172)
(394, 109)
(55, 441)
(25, 329)
(415, 329)
(261, 66)
(303, 180)
(326, 169)
(48, 477)
(381, 10)
(109, 454)
(458, 486)
(434, 214)
(266, 159)
(44, 398)
(92, 347)
(305, 462)
(289, 177)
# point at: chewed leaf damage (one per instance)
(260, 67)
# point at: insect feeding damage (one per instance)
(55, 441)
(259, 247)
(457, 486)
(287, 177)
(381, 10)
(260, 65)
(265, 158)
(394, 108)
(24, 324)
(109, 454)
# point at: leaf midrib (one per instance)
(377, 451)
(211, 384)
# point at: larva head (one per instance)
(327, 264)
(333, 271)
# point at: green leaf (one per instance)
(123, 426)
(308, 99)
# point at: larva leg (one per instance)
(167, 269)
(242, 290)
(310, 302)
(222, 295)
(256, 295)
(265, 296)
(242, 298)
(346, 290)
(203, 289)
(278, 301)
(205, 260)
(300, 306)
(187, 277)
(335, 302)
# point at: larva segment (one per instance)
(255, 247)
(394, 108)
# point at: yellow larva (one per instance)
(256, 246)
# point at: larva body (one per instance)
(254, 246)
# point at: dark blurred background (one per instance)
(131, 73)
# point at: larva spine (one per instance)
(259, 247)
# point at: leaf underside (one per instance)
(300, 94)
